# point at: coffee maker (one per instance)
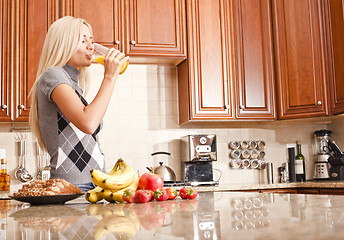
(336, 161)
(321, 166)
(198, 152)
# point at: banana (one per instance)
(120, 179)
(117, 182)
(107, 195)
(98, 176)
(118, 195)
(94, 195)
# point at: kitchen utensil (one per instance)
(46, 169)
(322, 154)
(165, 172)
(21, 173)
(38, 158)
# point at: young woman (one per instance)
(65, 125)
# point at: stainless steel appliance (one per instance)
(198, 153)
(321, 166)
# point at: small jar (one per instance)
(254, 163)
(254, 153)
(244, 144)
(261, 145)
(245, 153)
(252, 144)
(234, 145)
(261, 155)
(4, 177)
(245, 163)
(235, 153)
(235, 163)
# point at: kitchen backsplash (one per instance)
(143, 118)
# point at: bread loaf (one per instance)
(49, 187)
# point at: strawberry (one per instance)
(172, 193)
(128, 195)
(188, 193)
(150, 193)
(191, 193)
(141, 196)
(160, 194)
(182, 193)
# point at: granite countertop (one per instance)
(243, 187)
(212, 215)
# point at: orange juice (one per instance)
(124, 66)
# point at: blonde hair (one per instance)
(61, 43)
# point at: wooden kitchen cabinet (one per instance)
(300, 59)
(148, 30)
(253, 74)
(334, 11)
(24, 25)
(229, 70)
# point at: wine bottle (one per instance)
(299, 164)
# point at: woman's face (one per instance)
(83, 57)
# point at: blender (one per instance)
(321, 166)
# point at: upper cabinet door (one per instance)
(5, 87)
(155, 28)
(253, 59)
(301, 76)
(335, 26)
(30, 20)
(104, 16)
(204, 80)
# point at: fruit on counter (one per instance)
(107, 195)
(112, 192)
(160, 194)
(118, 195)
(118, 180)
(141, 196)
(188, 193)
(94, 195)
(172, 193)
(150, 181)
(128, 195)
(150, 194)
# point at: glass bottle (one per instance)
(299, 164)
(4, 177)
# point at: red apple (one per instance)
(150, 181)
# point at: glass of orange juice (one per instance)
(99, 54)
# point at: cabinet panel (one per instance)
(30, 27)
(335, 26)
(208, 88)
(4, 62)
(252, 31)
(155, 28)
(279, 190)
(299, 58)
(104, 17)
(332, 191)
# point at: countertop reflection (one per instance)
(213, 215)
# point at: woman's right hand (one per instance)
(113, 61)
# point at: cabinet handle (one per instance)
(21, 107)
(241, 107)
(319, 103)
(4, 106)
(117, 42)
(227, 106)
(132, 42)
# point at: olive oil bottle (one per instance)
(299, 164)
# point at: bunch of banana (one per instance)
(111, 186)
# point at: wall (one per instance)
(143, 118)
